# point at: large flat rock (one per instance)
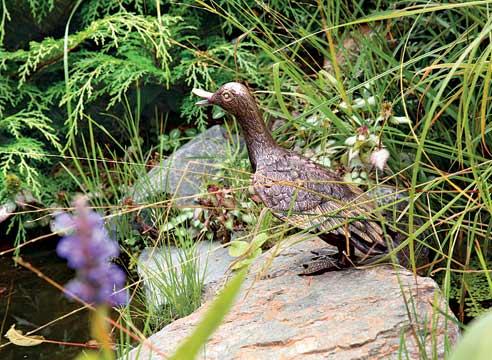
(372, 313)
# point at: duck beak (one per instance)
(206, 95)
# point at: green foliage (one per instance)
(472, 289)
(95, 9)
(41, 8)
(113, 49)
(176, 283)
(19, 152)
(246, 252)
(475, 344)
(171, 141)
(12, 183)
(219, 308)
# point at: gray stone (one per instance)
(390, 198)
(183, 174)
(350, 314)
(212, 262)
(7, 210)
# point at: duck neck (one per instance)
(258, 138)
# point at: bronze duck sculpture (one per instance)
(298, 190)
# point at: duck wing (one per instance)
(314, 198)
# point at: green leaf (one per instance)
(212, 319)
(242, 263)
(476, 343)
(175, 134)
(190, 132)
(247, 218)
(229, 224)
(259, 240)
(217, 113)
(238, 248)
(256, 253)
(89, 356)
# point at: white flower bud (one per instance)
(379, 158)
(350, 141)
(397, 120)
(364, 103)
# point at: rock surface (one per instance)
(7, 210)
(350, 314)
(213, 260)
(183, 173)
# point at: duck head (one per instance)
(233, 97)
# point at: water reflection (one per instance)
(30, 302)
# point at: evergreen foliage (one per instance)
(114, 47)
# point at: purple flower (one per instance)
(89, 250)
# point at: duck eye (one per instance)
(226, 96)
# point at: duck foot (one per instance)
(317, 267)
(324, 263)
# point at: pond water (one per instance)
(30, 302)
